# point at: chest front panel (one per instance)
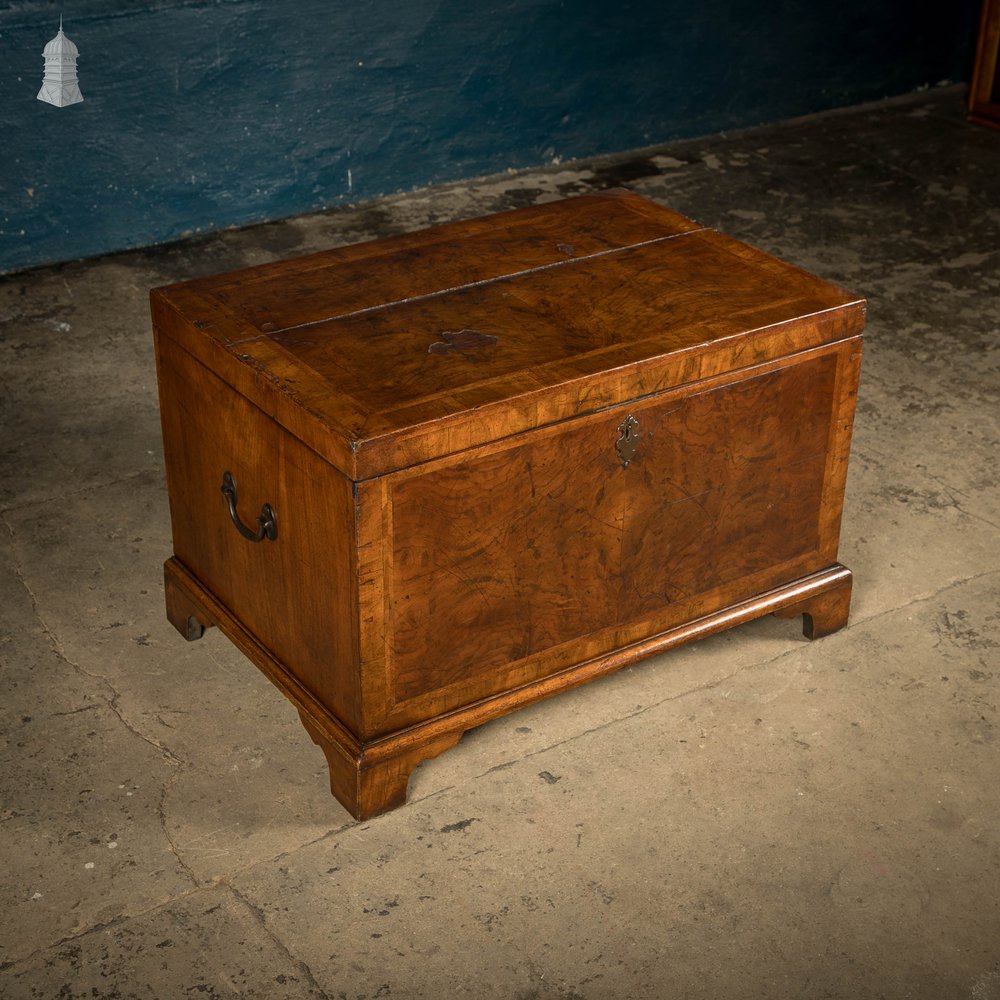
(507, 564)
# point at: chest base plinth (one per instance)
(371, 778)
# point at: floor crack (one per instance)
(258, 915)
(951, 493)
(102, 925)
(924, 597)
(873, 452)
(113, 695)
(273, 859)
(110, 484)
(707, 686)
(161, 809)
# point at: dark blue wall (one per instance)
(199, 115)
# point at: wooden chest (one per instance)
(426, 480)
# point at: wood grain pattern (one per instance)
(381, 357)
(296, 593)
(476, 589)
(575, 544)
(646, 308)
(457, 532)
(373, 275)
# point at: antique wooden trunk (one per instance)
(426, 480)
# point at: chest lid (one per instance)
(396, 351)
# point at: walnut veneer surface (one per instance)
(504, 456)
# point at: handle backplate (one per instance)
(267, 523)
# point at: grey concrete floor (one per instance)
(751, 816)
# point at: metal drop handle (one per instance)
(267, 524)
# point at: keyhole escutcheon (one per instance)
(627, 441)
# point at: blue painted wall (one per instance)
(200, 115)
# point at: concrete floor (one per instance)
(752, 816)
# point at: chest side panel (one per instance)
(295, 593)
(509, 565)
